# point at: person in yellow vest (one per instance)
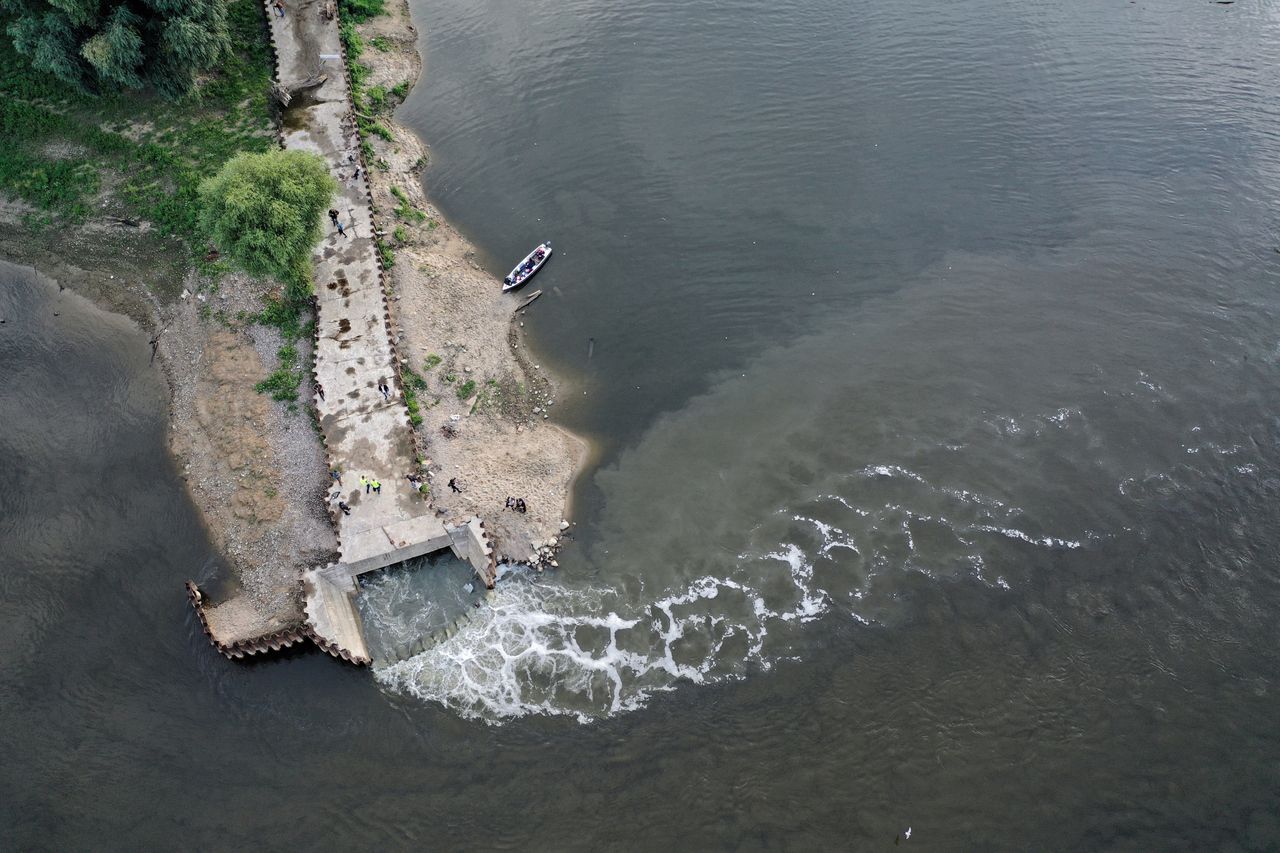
(377, 487)
(366, 482)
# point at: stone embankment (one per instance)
(365, 425)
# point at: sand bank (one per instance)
(498, 440)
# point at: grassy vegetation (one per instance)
(359, 11)
(283, 384)
(61, 146)
(431, 361)
(370, 101)
(386, 254)
(413, 383)
(404, 210)
(466, 389)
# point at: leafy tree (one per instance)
(266, 210)
(100, 45)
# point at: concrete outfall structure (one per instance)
(364, 432)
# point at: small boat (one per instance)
(525, 269)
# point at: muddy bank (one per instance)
(486, 402)
(254, 467)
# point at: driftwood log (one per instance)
(284, 94)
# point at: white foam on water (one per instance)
(543, 648)
(1014, 533)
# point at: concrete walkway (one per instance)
(365, 434)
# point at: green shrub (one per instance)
(359, 11)
(431, 361)
(411, 380)
(411, 404)
(404, 210)
(386, 254)
(350, 40)
(466, 389)
(282, 385)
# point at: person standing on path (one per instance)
(377, 487)
(336, 475)
(333, 216)
(453, 484)
(342, 232)
(364, 481)
(386, 392)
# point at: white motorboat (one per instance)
(524, 270)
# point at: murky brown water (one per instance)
(934, 356)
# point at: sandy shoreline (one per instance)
(256, 469)
(446, 306)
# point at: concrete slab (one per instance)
(331, 613)
(365, 434)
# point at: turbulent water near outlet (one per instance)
(931, 355)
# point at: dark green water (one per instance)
(935, 371)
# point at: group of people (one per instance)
(373, 486)
(527, 267)
(337, 223)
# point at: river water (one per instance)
(932, 358)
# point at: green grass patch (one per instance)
(380, 44)
(401, 90)
(379, 129)
(385, 254)
(411, 380)
(431, 361)
(412, 405)
(466, 389)
(351, 40)
(404, 210)
(282, 385)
